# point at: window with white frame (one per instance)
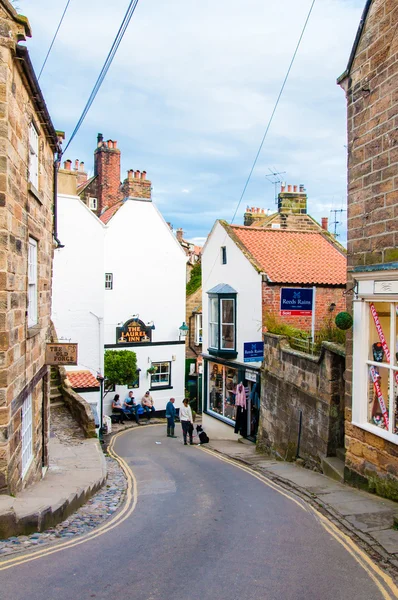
(162, 374)
(213, 322)
(27, 437)
(33, 156)
(198, 329)
(375, 367)
(222, 323)
(92, 203)
(32, 283)
(109, 281)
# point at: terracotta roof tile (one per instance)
(82, 379)
(294, 256)
(110, 212)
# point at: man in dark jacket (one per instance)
(170, 416)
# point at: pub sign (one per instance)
(133, 331)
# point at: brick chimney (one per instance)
(107, 170)
(179, 234)
(292, 202)
(324, 222)
(136, 185)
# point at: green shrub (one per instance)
(277, 326)
(196, 279)
(344, 320)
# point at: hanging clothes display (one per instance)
(241, 398)
(241, 421)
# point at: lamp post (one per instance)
(100, 378)
(183, 331)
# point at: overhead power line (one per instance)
(53, 40)
(274, 110)
(115, 45)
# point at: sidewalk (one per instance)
(368, 517)
(75, 473)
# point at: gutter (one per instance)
(57, 162)
(356, 42)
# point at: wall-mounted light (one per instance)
(183, 331)
(151, 325)
(136, 317)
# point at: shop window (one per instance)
(198, 329)
(222, 324)
(222, 390)
(109, 281)
(33, 156)
(32, 283)
(162, 375)
(27, 440)
(375, 368)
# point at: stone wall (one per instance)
(325, 296)
(193, 305)
(294, 382)
(24, 212)
(372, 108)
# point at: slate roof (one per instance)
(287, 256)
(82, 379)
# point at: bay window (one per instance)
(222, 321)
(375, 364)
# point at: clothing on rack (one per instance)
(240, 399)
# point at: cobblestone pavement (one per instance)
(95, 512)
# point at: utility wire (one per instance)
(274, 110)
(267, 128)
(108, 61)
(53, 40)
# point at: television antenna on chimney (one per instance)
(275, 180)
(336, 222)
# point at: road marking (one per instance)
(370, 567)
(128, 508)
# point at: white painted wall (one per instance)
(239, 274)
(149, 279)
(78, 282)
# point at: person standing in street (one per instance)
(170, 416)
(186, 421)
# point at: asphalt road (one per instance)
(202, 529)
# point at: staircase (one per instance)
(55, 385)
(333, 466)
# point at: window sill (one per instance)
(33, 331)
(222, 353)
(391, 437)
(161, 387)
(35, 193)
(219, 417)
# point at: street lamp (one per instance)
(183, 331)
(100, 378)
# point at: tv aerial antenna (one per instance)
(275, 180)
(337, 211)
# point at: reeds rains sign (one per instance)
(296, 301)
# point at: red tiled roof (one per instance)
(82, 379)
(108, 214)
(294, 256)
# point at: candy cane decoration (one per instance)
(375, 378)
(382, 338)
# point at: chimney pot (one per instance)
(302, 188)
(179, 234)
(325, 221)
(130, 174)
(143, 175)
(115, 144)
(100, 139)
(137, 174)
(295, 188)
(289, 188)
(68, 165)
(283, 186)
(81, 167)
(76, 164)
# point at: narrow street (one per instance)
(201, 529)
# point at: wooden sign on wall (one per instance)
(61, 354)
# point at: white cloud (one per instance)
(191, 91)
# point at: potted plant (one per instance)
(151, 370)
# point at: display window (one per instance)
(375, 404)
(222, 390)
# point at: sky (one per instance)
(190, 92)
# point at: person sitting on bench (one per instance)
(131, 408)
(117, 409)
(147, 405)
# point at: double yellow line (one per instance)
(384, 582)
(127, 510)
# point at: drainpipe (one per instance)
(57, 162)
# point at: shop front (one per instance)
(232, 395)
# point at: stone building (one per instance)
(28, 144)
(370, 83)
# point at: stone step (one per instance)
(340, 453)
(333, 467)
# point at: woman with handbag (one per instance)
(186, 421)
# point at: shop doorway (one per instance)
(253, 409)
